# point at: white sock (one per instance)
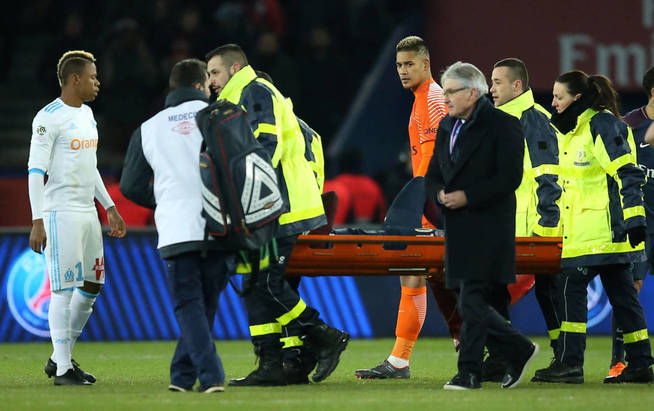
(59, 320)
(398, 362)
(81, 307)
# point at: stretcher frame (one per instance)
(365, 255)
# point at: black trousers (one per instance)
(617, 280)
(500, 300)
(483, 325)
(548, 290)
(273, 304)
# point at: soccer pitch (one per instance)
(135, 376)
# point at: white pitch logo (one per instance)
(598, 303)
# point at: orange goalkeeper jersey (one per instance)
(427, 112)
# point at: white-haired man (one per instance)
(473, 175)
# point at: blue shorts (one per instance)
(642, 269)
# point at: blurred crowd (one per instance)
(316, 51)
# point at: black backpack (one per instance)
(241, 197)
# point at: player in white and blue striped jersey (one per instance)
(65, 223)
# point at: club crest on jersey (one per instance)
(28, 292)
(69, 275)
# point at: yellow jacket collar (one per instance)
(236, 84)
(519, 104)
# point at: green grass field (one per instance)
(135, 376)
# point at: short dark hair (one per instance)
(187, 73)
(230, 54)
(517, 70)
(413, 43)
(648, 82)
(72, 61)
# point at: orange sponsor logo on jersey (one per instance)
(77, 144)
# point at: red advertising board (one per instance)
(600, 36)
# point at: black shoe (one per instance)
(535, 378)
(462, 382)
(630, 374)
(178, 388)
(298, 364)
(327, 343)
(559, 372)
(493, 369)
(260, 378)
(517, 370)
(212, 388)
(70, 378)
(382, 371)
(297, 370)
(270, 371)
(51, 370)
(295, 374)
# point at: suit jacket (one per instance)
(486, 163)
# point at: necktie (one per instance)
(455, 133)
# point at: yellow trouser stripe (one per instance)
(291, 342)
(265, 329)
(545, 169)
(635, 336)
(267, 128)
(293, 314)
(633, 212)
(617, 163)
(573, 327)
(554, 334)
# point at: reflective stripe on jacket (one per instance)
(537, 209)
(602, 195)
(276, 127)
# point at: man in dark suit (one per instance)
(475, 170)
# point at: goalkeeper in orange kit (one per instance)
(414, 70)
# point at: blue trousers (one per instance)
(195, 284)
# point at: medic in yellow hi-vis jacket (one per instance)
(537, 197)
(271, 303)
(603, 223)
(276, 127)
(602, 195)
(537, 209)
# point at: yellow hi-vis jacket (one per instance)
(276, 127)
(537, 209)
(602, 195)
(313, 151)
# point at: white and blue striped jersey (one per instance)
(64, 143)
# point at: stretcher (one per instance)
(357, 255)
